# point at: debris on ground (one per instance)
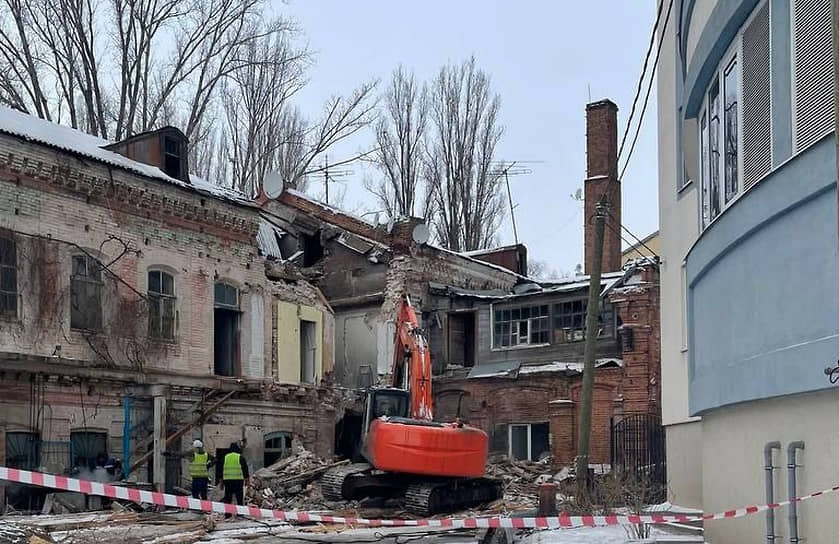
(290, 483)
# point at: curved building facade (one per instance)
(750, 243)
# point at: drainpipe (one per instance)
(792, 489)
(770, 489)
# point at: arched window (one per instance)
(277, 446)
(161, 305)
(86, 293)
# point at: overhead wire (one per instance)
(641, 79)
(647, 95)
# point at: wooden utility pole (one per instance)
(592, 311)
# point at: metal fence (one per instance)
(638, 454)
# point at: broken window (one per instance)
(22, 450)
(276, 446)
(89, 448)
(526, 325)
(570, 321)
(308, 351)
(172, 157)
(312, 248)
(161, 305)
(226, 329)
(86, 293)
(461, 339)
(8, 276)
(528, 441)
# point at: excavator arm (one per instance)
(412, 362)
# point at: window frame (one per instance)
(732, 57)
(529, 427)
(518, 324)
(14, 294)
(86, 280)
(160, 298)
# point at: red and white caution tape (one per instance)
(88, 487)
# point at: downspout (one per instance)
(770, 489)
(793, 490)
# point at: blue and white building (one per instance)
(750, 247)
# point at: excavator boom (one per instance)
(412, 362)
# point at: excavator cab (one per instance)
(386, 402)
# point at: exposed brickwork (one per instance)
(602, 178)
(554, 397)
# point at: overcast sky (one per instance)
(543, 58)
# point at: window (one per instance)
(89, 448)
(570, 321)
(22, 450)
(714, 136)
(528, 441)
(704, 174)
(86, 293)
(226, 330)
(161, 305)
(527, 325)
(8, 277)
(172, 157)
(277, 445)
(732, 103)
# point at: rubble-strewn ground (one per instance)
(291, 484)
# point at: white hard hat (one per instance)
(197, 444)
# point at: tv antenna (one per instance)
(332, 175)
(507, 169)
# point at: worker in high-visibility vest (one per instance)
(199, 470)
(235, 476)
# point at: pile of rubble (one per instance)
(521, 480)
(290, 483)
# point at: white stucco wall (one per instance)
(701, 13)
(733, 440)
(678, 222)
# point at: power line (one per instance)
(649, 90)
(638, 240)
(641, 79)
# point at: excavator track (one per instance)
(434, 497)
(333, 482)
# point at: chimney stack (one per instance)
(602, 178)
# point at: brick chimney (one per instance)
(601, 177)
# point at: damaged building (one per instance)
(137, 314)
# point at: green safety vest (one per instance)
(198, 466)
(232, 468)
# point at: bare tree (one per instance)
(400, 138)
(466, 131)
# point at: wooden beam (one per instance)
(185, 429)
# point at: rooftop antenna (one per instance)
(589, 91)
(513, 168)
(333, 176)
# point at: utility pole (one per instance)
(592, 310)
(326, 176)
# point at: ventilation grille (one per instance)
(757, 120)
(814, 73)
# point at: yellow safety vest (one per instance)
(198, 466)
(232, 467)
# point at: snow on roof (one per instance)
(514, 369)
(75, 141)
(557, 366)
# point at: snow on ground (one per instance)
(585, 535)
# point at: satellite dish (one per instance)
(421, 234)
(272, 184)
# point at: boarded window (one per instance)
(8, 276)
(161, 305)
(86, 293)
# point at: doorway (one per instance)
(308, 351)
(462, 339)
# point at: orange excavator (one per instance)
(437, 467)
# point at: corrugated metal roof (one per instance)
(268, 239)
